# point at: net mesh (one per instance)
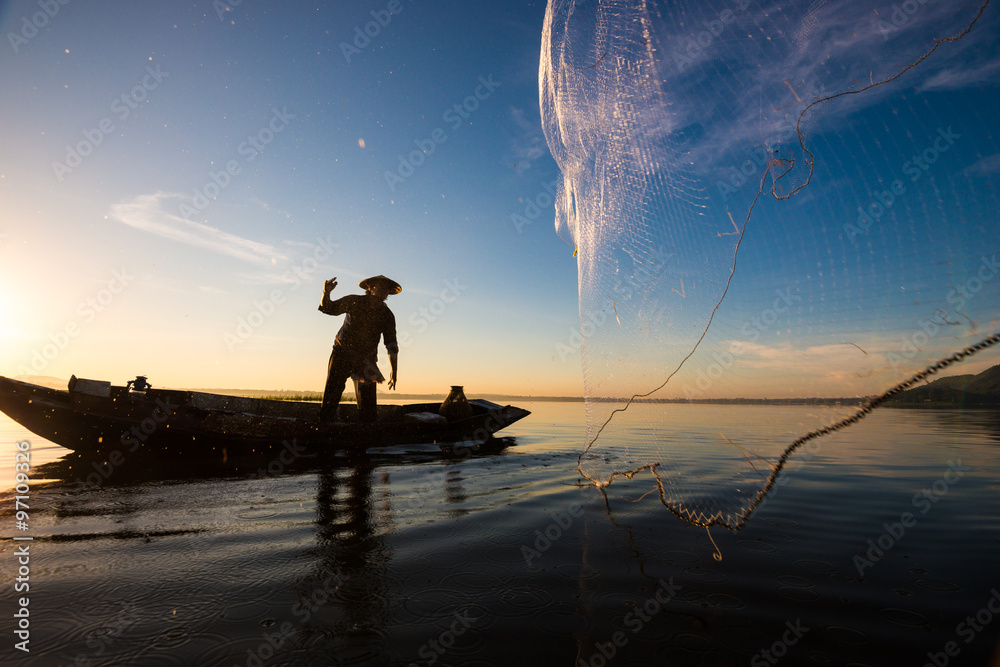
(767, 202)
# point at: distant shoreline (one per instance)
(318, 396)
(505, 398)
(911, 399)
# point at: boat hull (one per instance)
(94, 417)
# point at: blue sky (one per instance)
(236, 158)
(291, 135)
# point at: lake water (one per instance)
(511, 558)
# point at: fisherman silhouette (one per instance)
(355, 349)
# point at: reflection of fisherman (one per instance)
(355, 350)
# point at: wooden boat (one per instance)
(94, 417)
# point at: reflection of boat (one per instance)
(93, 416)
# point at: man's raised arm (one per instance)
(325, 304)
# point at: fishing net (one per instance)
(767, 202)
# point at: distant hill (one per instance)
(955, 391)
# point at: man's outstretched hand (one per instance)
(329, 285)
(392, 381)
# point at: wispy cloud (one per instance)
(987, 166)
(832, 48)
(146, 212)
(960, 77)
(816, 359)
(878, 363)
(265, 278)
(529, 143)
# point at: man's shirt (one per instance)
(364, 325)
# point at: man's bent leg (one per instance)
(336, 379)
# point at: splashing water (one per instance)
(768, 202)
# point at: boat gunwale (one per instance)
(105, 419)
